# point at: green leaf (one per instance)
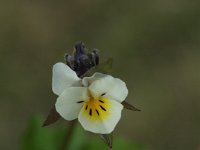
(105, 67)
(51, 138)
(79, 139)
(129, 106)
(37, 138)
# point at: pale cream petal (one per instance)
(103, 121)
(101, 86)
(63, 77)
(88, 80)
(70, 102)
(118, 92)
(109, 87)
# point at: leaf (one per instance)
(129, 106)
(52, 117)
(79, 139)
(105, 67)
(108, 139)
(37, 138)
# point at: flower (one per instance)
(95, 101)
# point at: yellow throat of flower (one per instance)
(96, 109)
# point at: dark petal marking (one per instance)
(86, 107)
(101, 101)
(103, 94)
(97, 112)
(90, 112)
(80, 101)
(102, 108)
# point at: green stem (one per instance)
(67, 139)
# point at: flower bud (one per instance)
(81, 60)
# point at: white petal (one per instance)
(101, 86)
(111, 88)
(102, 125)
(63, 77)
(88, 80)
(69, 103)
(118, 92)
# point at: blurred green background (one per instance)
(156, 50)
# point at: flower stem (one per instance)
(67, 139)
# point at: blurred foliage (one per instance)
(36, 137)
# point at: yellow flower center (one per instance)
(96, 109)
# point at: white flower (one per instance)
(95, 101)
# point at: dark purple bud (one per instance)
(81, 60)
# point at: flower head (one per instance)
(95, 101)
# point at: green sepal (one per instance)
(108, 139)
(52, 117)
(129, 106)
